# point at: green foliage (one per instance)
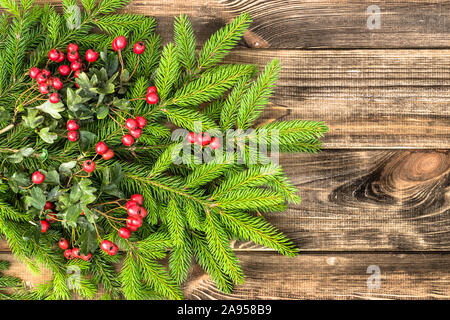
(194, 207)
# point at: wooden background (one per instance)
(379, 194)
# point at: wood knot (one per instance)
(411, 170)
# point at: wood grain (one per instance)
(314, 276)
(368, 98)
(332, 276)
(310, 24)
(373, 200)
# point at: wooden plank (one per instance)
(367, 200)
(333, 276)
(310, 24)
(315, 276)
(20, 270)
(368, 98)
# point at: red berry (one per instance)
(142, 213)
(114, 249)
(48, 206)
(108, 154)
(34, 72)
(134, 221)
(131, 228)
(68, 254)
(51, 217)
(121, 43)
(72, 125)
(76, 252)
(141, 122)
(61, 57)
(54, 98)
(133, 211)
(72, 47)
(43, 88)
(77, 74)
(88, 166)
(53, 55)
(63, 244)
(101, 148)
(124, 233)
(130, 203)
(152, 98)
(215, 143)
(44, 226)
(152, 89)
(82, 213)
(91, 55)
(203, 139)
(46, 73)
(114, 46)
(86, 257)
(139, 47)
(106, 245)
(131, 124)
(76, 65)
(73, 136)
(191, 137)
(73, 56)
(127, 140)
(57, 83)
(136, 133)
(41, 78)
(37, 177)
(138, 198)
(64, 70)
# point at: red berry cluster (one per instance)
(135, 127)
(203, 139)
(72, 253)
(73, 134)
(46, 83)
(119, 43)
(152, 95)
(102, 149)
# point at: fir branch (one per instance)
(257, 95)
(184, 42)
(218, 46)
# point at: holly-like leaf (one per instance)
(102, 112)
(83, 192)
(37, 198)
(72, 214)
(32, 120)
(52, 177)
(19, 156)
(53, 109)
(88, 240)
(87, 139)
(66, 167)
(19, 179)
(47, 136)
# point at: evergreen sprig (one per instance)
(195, 206)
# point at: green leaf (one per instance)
(83, 192)
(72, 214)
(87, 139)
(53, 109)
(38, 198)
(102, 112)
(66, 167)
(32, 120)
(47, 136)
(88, 240)
(19, 179)
(52, 177)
